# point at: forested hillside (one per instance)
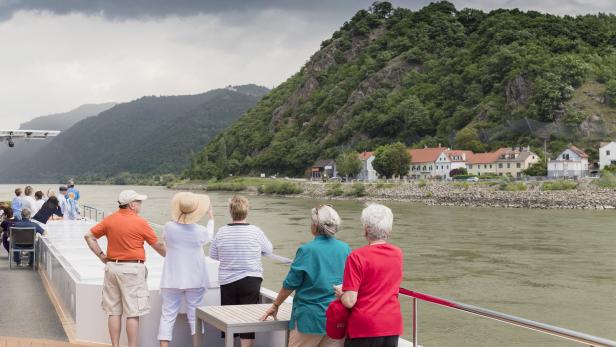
(462, 78)
(151, 135)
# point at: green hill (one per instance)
(462, 78)
(151, 135)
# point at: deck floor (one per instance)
(23, 342)
(26, 309)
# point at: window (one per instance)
(470, 166)
(500, 165)
(565, 156)
(500, 173)
(607, 152)
(508, 165)
(485, 166)
(519, 174)
(518, 165)
(490, 166)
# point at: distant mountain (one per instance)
(63, 121)
(150, 135)
(60, 121)
(461, 78)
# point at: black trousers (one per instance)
(246, 291)
(381, 341)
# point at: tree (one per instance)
(468, 139)
(392, 160)
(537, 169)
(610, 92)
(348, 164)
(461, 171)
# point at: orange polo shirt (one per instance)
(126, 232)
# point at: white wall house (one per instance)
(571, 163)
(367, 172)
(607, 154)
(427, 162)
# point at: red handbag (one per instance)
(337, 320)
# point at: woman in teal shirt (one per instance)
(317, 268)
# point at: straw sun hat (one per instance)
(188, 208)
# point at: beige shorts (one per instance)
(297, 339)
(125, 290)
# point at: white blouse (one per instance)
(185, 266)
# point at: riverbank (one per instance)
(534, 195)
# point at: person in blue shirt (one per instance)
(17, 204)
(25, 222)
(318, 267)
(72, 191)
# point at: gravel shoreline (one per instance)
(432, 193)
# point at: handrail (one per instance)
(502, 317)
(482, 312)
(89, 210)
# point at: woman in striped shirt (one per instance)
(239, 247)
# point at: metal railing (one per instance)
(501, 317)
(90, 211)
(572, 335)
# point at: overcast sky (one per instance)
(58, 54)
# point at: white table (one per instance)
(233, 319)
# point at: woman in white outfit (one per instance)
(184, 274)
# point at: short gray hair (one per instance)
(26, 213)
(378, 221)
(326, 219)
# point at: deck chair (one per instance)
(24, 239)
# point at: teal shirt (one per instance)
(318, 266)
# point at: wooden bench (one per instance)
(234, 319)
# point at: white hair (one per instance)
(326, 220)
(378, 221)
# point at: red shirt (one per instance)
(125, 232)
(375, 273)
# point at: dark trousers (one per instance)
(246, 291)
(5, 240)
(381, 341)
(17, 256)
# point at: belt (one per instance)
(124, 261)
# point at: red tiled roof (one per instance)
(456, 152)
(578, 151)
(485, 158)
(425, 155)
(365, 155)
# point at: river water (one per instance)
(553, 266)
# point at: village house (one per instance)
(367, 172)
(502, 162)
(607, 154)
(436, 162)
(571, 163)
(513, 161)
(323, 169)
(483, 163)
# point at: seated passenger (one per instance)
(184, 277)
(50, 208)
(318, 267)
(7, 222)
(38, 201)
(239, 247)
(372, 277)
(25, 222)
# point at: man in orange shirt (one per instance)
(125, 289)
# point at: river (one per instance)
(553, 266)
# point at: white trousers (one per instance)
(172, 302)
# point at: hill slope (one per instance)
(465, 79)
(151, 135)
(63, 121)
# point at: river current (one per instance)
(554, 266)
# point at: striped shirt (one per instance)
(239, 248)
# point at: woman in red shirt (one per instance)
(372, 278)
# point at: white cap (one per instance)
(128, 196)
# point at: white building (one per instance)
(607, 154)
(436, 162)
(367, 172)
(571, 163)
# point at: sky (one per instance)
(58, 54)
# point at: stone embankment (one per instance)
(479, 195)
